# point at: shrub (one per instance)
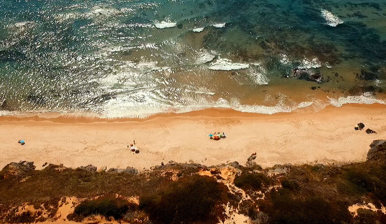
(290, 184)
(283, 208)
(367, 182)
(106, 206)
(253, 181)
(190, 199)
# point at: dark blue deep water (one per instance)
(123, 58)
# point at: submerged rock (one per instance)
(377, 150)
(366, 75)
(306, 74)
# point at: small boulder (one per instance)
(112, 170)
(130, 170)
(250, 160)
(369, 131)
(89, 168)
(235, 164)
(361, 126)
(366, 75)
(102, 169)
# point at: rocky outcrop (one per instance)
(17, 169)
(377, 150)
(128, 170)
(89, 168)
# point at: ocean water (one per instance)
(120, 58)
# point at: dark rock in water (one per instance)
(306, 74)
(358, 14)
(377, 150)
(356, 90)
(3, 104)
(37, 100)
(89, 168)
(180, 26)
(18, 169)
(369, 131)
(366, 75)
(361, 126)
(11, 56)
(313, 87)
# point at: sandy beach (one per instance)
(304, 136)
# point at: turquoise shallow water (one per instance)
(133, 58)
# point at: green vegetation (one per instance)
(285, 208)
(188, 200)
(106, 206)
(253, 181)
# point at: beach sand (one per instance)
(304, 136)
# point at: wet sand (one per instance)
(304, 136)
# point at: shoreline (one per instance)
(299, 137)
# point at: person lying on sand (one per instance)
(133, 147)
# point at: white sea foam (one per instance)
(67, 16)
(307, 64)
(257, 74)
(331, 19)
(328, 65)
(5, 113)
(102, 11)
(205, 57)
(284, 59)
(142, 25)
(198, 30)
(223, 64)
(164, 24)
(125, 106)
(219, 25)
(366, 98)
(23, 24)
